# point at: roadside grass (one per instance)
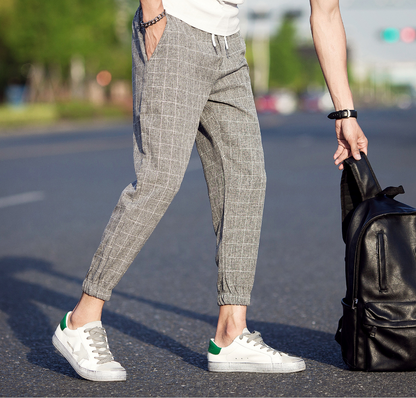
(47, 114)
(15, 116)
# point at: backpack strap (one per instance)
(392, 192)
(358, 183)
(338, 333)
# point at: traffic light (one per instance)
(394, 35)
(408, 35)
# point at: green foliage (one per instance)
(9, 71)
(51, 32)
(292, 65)
(43, 114)
(85, 110)
(285, 63)
(35, 114)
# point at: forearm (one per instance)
(151, 8)
(330, 44)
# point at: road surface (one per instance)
(57, 192)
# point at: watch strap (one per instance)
(344, 114)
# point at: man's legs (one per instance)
(232, 312)
(231, 323)
(168, 103)
(231, 318)
(88, 309)
(169, 97)
(229, 144)
(170, 91)
(163, 143)
(230, 147)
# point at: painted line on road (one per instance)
(22, 198)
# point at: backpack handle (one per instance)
(358, 183)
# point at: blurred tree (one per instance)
(9, 69)
(48, 34)
(292, 65)
(285, 63)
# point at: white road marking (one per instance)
(22, 198)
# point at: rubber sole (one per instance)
(256, 367)
(88, 374)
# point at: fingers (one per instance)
(351, 141)
(340, 155)
(364, 145)
(339, 151)
(153, 35)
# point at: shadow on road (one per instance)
(25, 304)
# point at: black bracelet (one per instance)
(145, 25)
(344, 114)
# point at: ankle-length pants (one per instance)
(195, 87)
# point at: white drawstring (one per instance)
(215, 44)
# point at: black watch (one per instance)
(344, 114)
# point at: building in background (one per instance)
(381, 42)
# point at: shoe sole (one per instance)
(86, 373)
(256, 367)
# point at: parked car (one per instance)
(283, 102)
(316, 101)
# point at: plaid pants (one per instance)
(194, 88)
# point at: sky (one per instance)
(363, 22)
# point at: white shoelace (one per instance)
(256, 337)
(99, 341)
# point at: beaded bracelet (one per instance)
(145, 25)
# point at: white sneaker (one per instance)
(86, 349)
(248, 353)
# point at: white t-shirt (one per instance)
(213, 16)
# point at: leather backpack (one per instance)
(377, 331)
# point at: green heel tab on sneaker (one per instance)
(63, 322)
(213, 348)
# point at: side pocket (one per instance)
(381, 259)
(347, 335)
(391, 331)
(161, 41)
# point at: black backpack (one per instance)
(377, 331)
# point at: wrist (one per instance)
(151, 9)
(151, 22)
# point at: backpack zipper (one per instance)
(381, 259)
(356, 255)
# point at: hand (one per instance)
(351, 140)
(153, 36)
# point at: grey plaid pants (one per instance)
(190, 90)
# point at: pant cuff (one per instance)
(229, 299)
(95, 290)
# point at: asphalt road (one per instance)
(56, 194)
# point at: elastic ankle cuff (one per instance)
(229, 299)
(95, 290)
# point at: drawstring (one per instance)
(215, 44)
